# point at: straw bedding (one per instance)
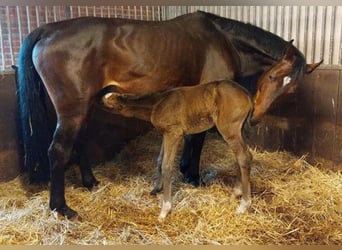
(293, 203)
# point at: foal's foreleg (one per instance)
(244, 158)
(59, 155)
(170, 142)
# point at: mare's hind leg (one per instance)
(233, 137)
(59, 154)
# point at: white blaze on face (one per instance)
(286, 80)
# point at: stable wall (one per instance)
(308, 123)
(9, 159)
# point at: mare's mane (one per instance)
(249, 37)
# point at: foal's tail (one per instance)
(35, 135)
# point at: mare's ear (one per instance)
(311, 67)
(289, 52)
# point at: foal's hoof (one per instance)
(209, 176)
(155, 191)
(192, 180)
(244, 205)
(161, 219)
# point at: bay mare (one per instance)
(189, 110)
(74, 59)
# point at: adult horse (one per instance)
(76, 58)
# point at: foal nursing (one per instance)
(190, 110)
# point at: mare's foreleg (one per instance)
(170, 142)
(189, 163)
(59, 154)
(158, 185)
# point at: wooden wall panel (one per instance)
(308, 122)
(306, 111)
(326, 97)
(9, 159)
(337, 153)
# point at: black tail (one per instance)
(35, 135)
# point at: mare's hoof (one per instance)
(90, 183)
(192, 180)
(68, 213)
(183, 168)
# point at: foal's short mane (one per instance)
(254, 37)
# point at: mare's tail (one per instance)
(35, 135)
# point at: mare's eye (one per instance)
(272, 77)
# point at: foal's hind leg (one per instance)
(59, 154)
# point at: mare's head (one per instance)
(278, 81)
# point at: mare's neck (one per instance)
(258, 49)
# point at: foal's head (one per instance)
(113, 101)
(281, 79)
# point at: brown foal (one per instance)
(190, 110)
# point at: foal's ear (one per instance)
(289, 52)
(311, 67)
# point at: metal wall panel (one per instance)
(317, 30)
(17, 21)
